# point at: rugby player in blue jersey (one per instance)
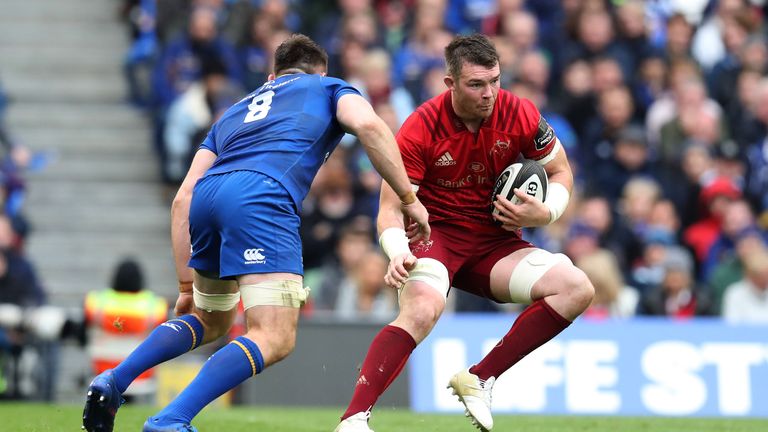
(235, 231)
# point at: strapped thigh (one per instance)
(289, 293)
(433, 273)
(529, 270)
(214, 302)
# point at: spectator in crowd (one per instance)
(664, 218)
(575, 100)
(364, 295)
(329, 208)
(581, 240)
(119, 318)
(697, 119)
(191, 115)
(376, 84)
(615, 111)
(723, 77)
(19, 284)
(336, 270)
(683, 186)
(757, 155)
(597, 212)
(394, 20)
(613, 298)
(633, 30)
(665, 108)
(650, 83)
(737, 219)
(181, 62)
(647, 272)
(629, 158)
(522, 30)
(367, 181)
(595, 37)
(741, 107)
(709, 43)
(746, 301)
(328, 26)
(357, 34)
(256, 50)
(639, 197)
(730, 270)
(679, 37)
(677, 296)
(21, 293)
(714, 200)
(423, 48)
(606, 74)
(729, 162)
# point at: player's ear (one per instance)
(271, 77)
(449, 82)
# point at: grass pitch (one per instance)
(66, 418)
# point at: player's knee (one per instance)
(425, 318)
(583, 289)
(578, 287)
(422, 310)
(285, 346)
(275, 342)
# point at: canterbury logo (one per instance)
(254, 255)
(445, 160)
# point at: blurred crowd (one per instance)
(662, 106)
(24, 344)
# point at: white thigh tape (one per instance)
(214, 302)
(529, 270)
(288, 293)
(433, 273)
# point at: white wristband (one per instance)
(394, 242)
(557, 200)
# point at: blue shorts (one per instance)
(243, 222)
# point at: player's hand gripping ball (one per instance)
(528, 176)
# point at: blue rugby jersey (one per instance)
(285, 129)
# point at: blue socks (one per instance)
(169, 340)
(225, 369)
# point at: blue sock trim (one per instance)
(195, 327)
(252, 351)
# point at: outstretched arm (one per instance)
(356, 115)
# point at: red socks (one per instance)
(535, 326)
(386, 357)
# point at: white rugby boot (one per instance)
(355, 423)
(475, 394)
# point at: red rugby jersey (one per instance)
(455, 168)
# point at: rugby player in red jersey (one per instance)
(454, 146)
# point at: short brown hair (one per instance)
(300, 52)
(474, 49)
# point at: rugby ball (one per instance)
(528, 176)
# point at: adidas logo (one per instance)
(362, 381)
(445, 160)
